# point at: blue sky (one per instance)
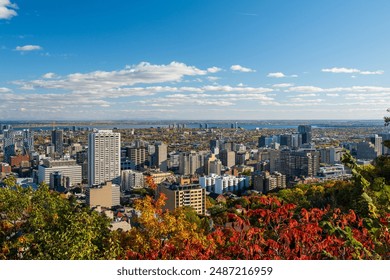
(200, 59)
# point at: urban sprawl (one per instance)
(108, 169)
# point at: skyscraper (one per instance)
(161, 156)
(57, 139)
(8, 144)
(28, 141)
(104, 157)
(305, 130)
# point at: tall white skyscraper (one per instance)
(104, 157)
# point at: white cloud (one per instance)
(338, 70)
(309, 89)
(378, 72)
(5, 90)
(276, 75)
(28, 48)
(143, 73)
(313, 89)
(332, 94)
(49, 75)
(213, 79)
(283, 85)
(306, 95)
(7, 9)
(213, 69)
(240, 68)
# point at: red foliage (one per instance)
(271, 229)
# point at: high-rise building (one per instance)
(305, 130)
(137, 155)
(131, 179)
(214, 144)
(188, 163)
(228, 158)
(57, 139)
(28, 141)
(299, 163)
(161, 156)
(8, 144)
(266, 141)
(366, 150)
(385, 137)
(265, 182)
(104, 163)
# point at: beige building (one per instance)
(107, 195)
(184, 196)
(159, 177)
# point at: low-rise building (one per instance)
(184, 196)
(224, 183)
(106, 195)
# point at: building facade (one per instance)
(104, 163)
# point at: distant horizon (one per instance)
(2, 121)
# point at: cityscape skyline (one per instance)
(270, 60)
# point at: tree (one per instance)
(42, 224)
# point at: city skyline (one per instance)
(193, 60)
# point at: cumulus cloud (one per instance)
(213, 69)
(240, 68)
(143, 73)
(4, 90)
(28, 48)
(338, 70)
(49, 75)
(276, 75)
(7, 9)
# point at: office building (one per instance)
(104, 157)
(228, 158)
(301, 163)
(305, 130)
(28, 141)
(9, 144)
(69, 170)
(161, 156)
(366, 150)
(57, 139)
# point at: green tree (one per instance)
(45, 225)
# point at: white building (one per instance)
(68, 168)
(334, 171)
(104, 163)
(131, 179)
(224, 183)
